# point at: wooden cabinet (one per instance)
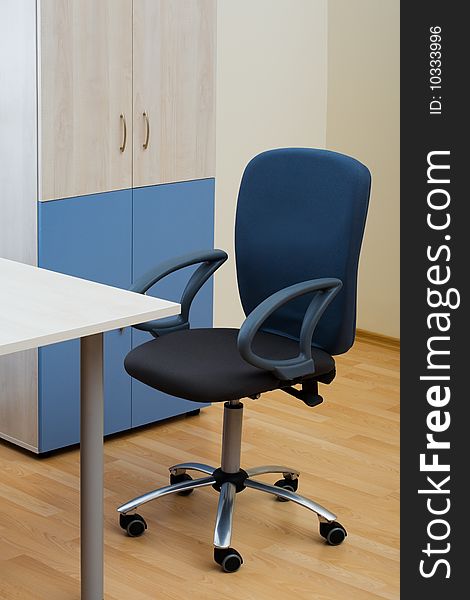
(126, 94)
(174, 90)
(80, 193)
(84, 86)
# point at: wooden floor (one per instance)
(347, 451)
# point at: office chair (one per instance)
(299, 226)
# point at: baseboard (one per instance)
(378, 338)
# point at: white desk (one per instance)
(40, 307)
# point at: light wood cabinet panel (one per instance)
(18, 189)
(174, 84)
(85, 84)
(18, 139)
(18, 398)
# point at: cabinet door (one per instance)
(91, 238)
(170, 220)
(174, 85)
(85, 84)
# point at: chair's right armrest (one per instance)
(324, 290)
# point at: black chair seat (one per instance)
(204, 365)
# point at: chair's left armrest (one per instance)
(324, 292)
(210, 261)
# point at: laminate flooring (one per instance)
(347, 450)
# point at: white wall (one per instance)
(271, 92)
(364, 121)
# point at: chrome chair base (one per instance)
(228, 483)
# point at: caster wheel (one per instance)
(229, 559)
(334, 533)
(179, 479)
(135, 525)
(287, 484)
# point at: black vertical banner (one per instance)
(435, 326)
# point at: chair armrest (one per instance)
(292, 368)
(210, 261)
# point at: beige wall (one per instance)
(363, 120)
(278, 61)
(271, 92)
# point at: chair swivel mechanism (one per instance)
(299, 226)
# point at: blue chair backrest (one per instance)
(301, 214)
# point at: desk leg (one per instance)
(91, 467)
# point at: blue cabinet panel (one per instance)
(113, 238)
(170, 220)
(89, 237)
